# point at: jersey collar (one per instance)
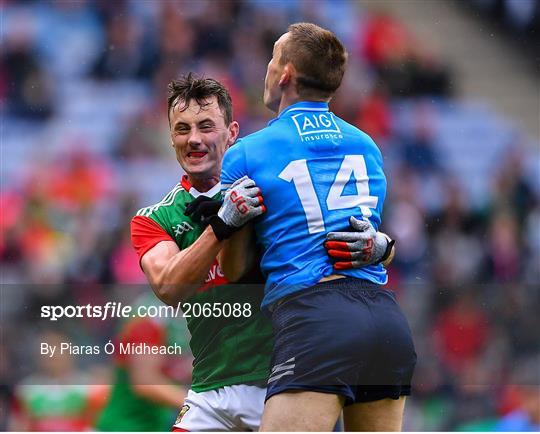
(186, 185)
(304, 106)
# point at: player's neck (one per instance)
(202, 185)
(287, 101)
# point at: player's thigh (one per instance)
(381, 415)
(246, 404)
(301, 411)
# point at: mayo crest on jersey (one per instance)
(314, 170)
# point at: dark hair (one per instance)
(318, 56)
(191, 87)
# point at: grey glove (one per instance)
(359, 247)
(242, 203)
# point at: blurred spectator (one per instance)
(385, 38)
(79, 182)
(176, 37)
(57, 397)
(124, 54)
(24, 85)
(418, 148)
(461, 332)
(511, 191)
(125, 263)
(374, 116)
(524, 413)
(458, 255)
(504, 248)
(404, 69)
(146, 393)
(6, 386)
(213, 34)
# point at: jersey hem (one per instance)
(269, 300)
(240, 379)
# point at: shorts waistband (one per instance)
(344, 282)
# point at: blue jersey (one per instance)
(314, 170)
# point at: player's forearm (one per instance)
(187, 270)
(238, 253)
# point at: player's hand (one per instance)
(202, 208)
(359, 247)
(242, 202)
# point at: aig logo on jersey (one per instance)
(316, 126)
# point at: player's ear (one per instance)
(234, 130)
(287, 74)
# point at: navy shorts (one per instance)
(347, 337)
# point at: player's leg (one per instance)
(301, 411)
(382, 415)
(312, 365)
(202, 411)
(246, 405)
(382, 386)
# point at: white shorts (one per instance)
(229, 408)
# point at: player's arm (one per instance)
(360, 246)
(238, 254)
(173, 274)
(242, 203)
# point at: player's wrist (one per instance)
(222, 230)
(384, 259)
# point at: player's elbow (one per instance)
(167, 294)
(172, 294)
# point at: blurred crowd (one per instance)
(85, 144)
(520, 18)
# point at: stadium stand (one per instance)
(84, 144)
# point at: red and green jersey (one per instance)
(226, 350)
(127, 410)
(48, 406)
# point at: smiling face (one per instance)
(200, 137)
(274, 72)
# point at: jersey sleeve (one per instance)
(234, 165)
(145, 234)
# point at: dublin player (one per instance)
(341, 341)
(178, 255)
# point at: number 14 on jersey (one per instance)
(297, 172)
